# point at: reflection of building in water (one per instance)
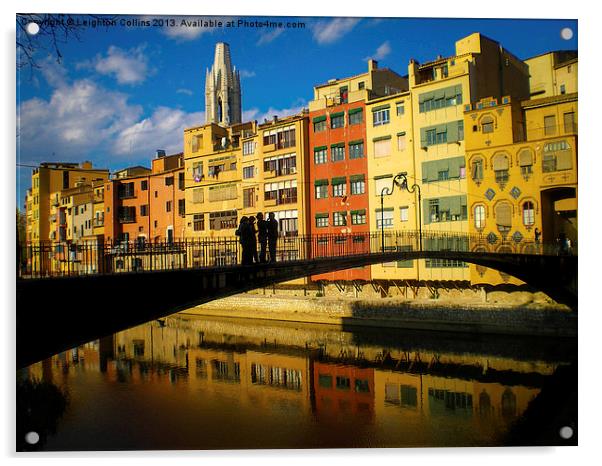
(343, 390)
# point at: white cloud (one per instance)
(77, 119)
(127, 66)
(265, 37)
(327, 32)
(54, 73)
(184, 91)
(247, 74)
(382, 51)
(164, 129)
(256, 114)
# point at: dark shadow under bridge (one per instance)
(121, 286)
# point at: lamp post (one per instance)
(388, 192)
(412, 190)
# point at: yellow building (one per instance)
(390, 150)
(522, 159)
(553, 73)
(439, 90)
(245, 169)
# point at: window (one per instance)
(443, 175)
(487, 124)
(181, 181)
(169, 181)
(549, 123)
(197, 196)
(380, 117)
(223, 192)
(281, 164)
(248, 197)
(222, 220)
(284, 192)
(182, 207)
(361, 85)
(66, 179)
(358, 217)
(404, 212)
(476, 170)
(384, 217)
(320, 126)
(356, 150)
(125, 190)
(144, 185)
(197, 142)
(358, 184)
(339, 219)
(337, 152)
(356, 116)
(528, 213)
(382, 183)
(525, 162)
(400, 108)
(503, 217)
(401, 141)
(557, 156)
(500, 168)
(431, 137)
(321, 190)
(440, 98)
(343, 94)
(382, 147)
(479, 217)
(248, 147)
(339, 187)
(127, 214)
(343, 383)
(168, 206)
(198, 222)
(282, 137)
(320, 155)
(337, 120)
(445, 209)
(321, 220)
(197, 171)
(562, 89)
(569, 122)
(144, 210)
(248, 172)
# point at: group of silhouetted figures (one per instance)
(250, 230)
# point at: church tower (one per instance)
(222, 89)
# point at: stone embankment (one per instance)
(537, 317)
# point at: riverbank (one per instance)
(535, 318)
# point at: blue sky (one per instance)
(122, 92)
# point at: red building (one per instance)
(338, 172)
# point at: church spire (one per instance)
(222, 89)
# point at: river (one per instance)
(192, 382)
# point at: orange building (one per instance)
(146, 205)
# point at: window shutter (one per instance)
(500, 162)
(503, 214)
(564, 160)
(382, 148)
(455, 205)
(452, 131)
(422, 137)
(426, 218)
(454, 165)
(525, 158)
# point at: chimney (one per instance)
(275, 118)
(372, 65)
(160, 153)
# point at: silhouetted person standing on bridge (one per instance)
(253, 240)
(243, 231)
(272, 235)
(537, 239)
(262, 236)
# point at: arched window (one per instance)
(525, 162)
(476, 169)
(479, 216)
(508, 404)
(503, 217)
(501, 166)
(528, 213)
(487, 124)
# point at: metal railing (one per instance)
(64, 258)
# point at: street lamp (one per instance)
(388, 192)
(412, 190)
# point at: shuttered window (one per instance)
(382, 148)
(503, 216)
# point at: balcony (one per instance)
(127, 219)
(99, 222)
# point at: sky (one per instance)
(122, 91)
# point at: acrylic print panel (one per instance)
(206, 260)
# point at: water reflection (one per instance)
(192, 383)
